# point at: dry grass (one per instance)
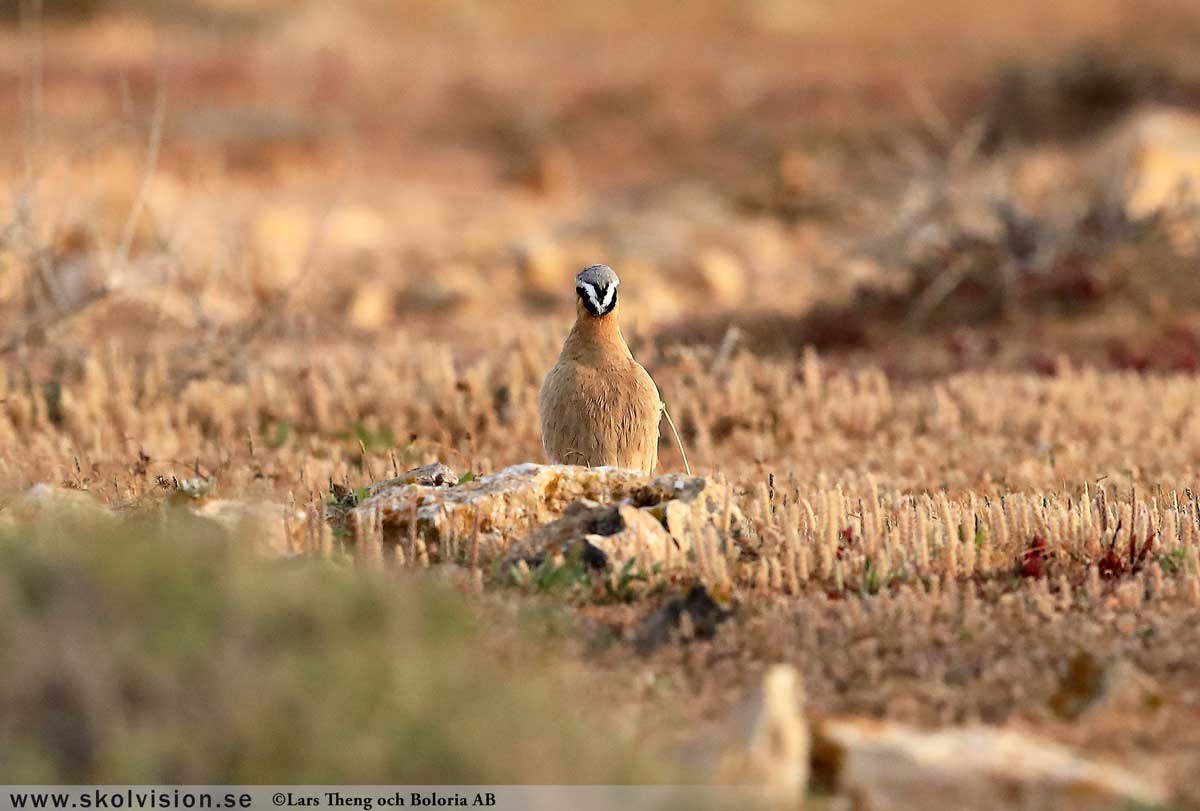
(990, 463)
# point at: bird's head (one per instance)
(596, 286)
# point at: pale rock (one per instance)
(888, 765)
(43, 505)
(282, 238)
(641, 538)
(543, 268)
(763, 745)
(356, 229)
(268, 526)
(781, 742)
(1150, 163)
(657, 301)
(1163, 160)
(621, 532)
(434, 475)
(509, 502)
(1043, 176)
(772, 741)
(723, 277)
(371, 306)
(513, 504)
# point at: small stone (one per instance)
(434, 475)
(42, 504)
(1164, 161)
(723, 276)
(281, 237)
(371, 306)
(888, 765)
(356, 229)
(543, 268)
(764, 741)
(261, 523)
(780, 743)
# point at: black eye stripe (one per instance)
(598, 299)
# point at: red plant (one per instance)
(1032, 562)
(1112, 565)
(845, 541)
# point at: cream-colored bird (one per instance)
(599, 407)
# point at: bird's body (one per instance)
(598, 406)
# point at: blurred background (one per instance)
(273, 251)
(825, 173)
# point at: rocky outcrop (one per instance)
(528, 511)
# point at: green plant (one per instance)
(157, 651)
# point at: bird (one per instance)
(599, 407)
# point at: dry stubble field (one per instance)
(921, 298)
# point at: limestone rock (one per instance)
(264, 524)
(543, 268)
(1165, 161)
(887, 765)
(723, 277)
(515, 503)
(45, 505)
(780, 744)
(435, 475)
(765, 742)
(281, 236)
(353, 229)
(612, 533)
(371, 306)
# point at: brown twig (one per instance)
(153, 149)
(670, 422)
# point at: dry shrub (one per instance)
(157, 651)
